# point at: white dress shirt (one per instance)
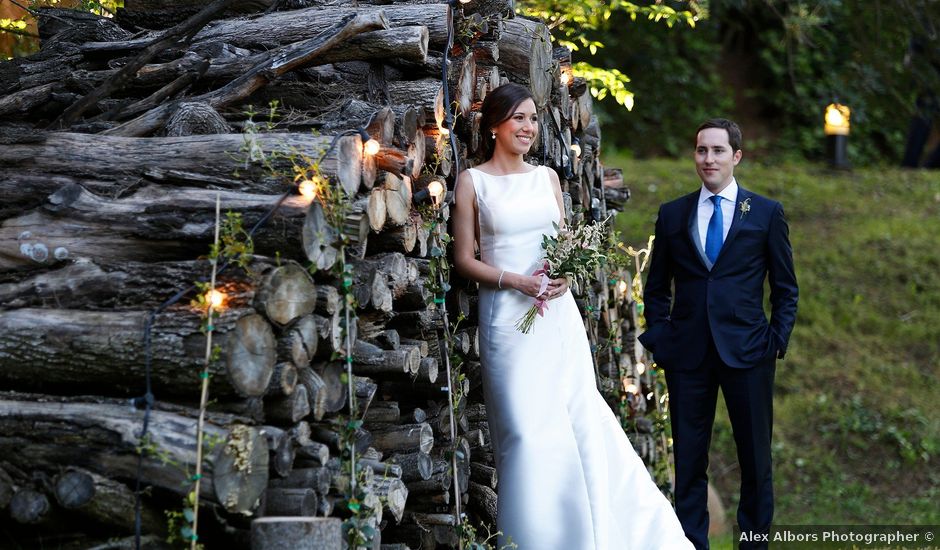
(729, 196)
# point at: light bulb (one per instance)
(372, 147)
(640, 368)
(215, 298)
(576, 149)
(622, 286)
(308, 189)
(444, 131)
(436, 189)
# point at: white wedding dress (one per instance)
(569, 478)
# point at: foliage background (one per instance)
(773, 65)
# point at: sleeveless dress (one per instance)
(569, 478)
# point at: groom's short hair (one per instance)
(734, 133)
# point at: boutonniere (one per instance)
(745, 207)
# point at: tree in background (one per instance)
(18, 33)
(573, 22)
(775, 65)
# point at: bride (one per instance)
(568, 477)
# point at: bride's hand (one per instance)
(527, 284)
(556, 288)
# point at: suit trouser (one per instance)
(748, 395)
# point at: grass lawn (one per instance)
(857, 427)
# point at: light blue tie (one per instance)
(714, 235)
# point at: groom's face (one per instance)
(714, 158)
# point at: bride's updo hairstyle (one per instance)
(498, 106)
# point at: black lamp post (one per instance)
(837, 135)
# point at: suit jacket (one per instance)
(723, 301)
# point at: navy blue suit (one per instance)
(711, 332)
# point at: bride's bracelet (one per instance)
(499, 282)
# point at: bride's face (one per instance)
(517, 133)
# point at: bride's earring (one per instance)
(494, 135)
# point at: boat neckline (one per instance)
(505, 175)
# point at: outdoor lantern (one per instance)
(837, 132)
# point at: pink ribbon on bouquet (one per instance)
(541, 304)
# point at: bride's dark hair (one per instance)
(498, 106)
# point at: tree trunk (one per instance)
(42, 434)
(30, 507)
(103, 352)
(483, 474)
(320, 237)
(414, 466)
(286, 293)
(371, 359)
(275, 63)
(291, 502)
(407, 438)
(288, 409)
(382, 412)
(394, 494)
(426, 95)
(154, 223)
(525, 52)
(299, 345)
(288, 27)
(125, 160)
(103, 501)
(318, 479)
(296, 533)
(483, 500)
(409, 43)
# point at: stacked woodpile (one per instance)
(118, 138)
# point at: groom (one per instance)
(715, 247)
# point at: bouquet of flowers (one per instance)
(574, 254)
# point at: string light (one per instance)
(622, 286)
(308, 188)
(640, 368)
(576, 148)
(629, 386)
(444, 131)
(215, 298)
(372, 147)
(436, 189)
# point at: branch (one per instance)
(186, 29)
(279, 61)
(19, 32)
